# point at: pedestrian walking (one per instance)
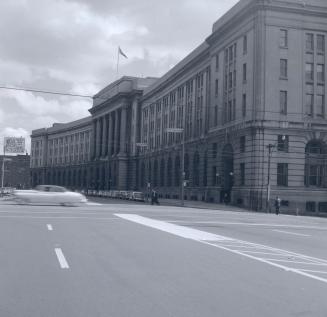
(277, 205)
(226, 198)
(154, 197)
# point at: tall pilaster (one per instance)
(111, 133)
(123, 128)
(98, 139)
(104, 136)
(116, 136)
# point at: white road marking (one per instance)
(184, 232)
(292, 233)
(314, 271)
(218, 241)
(249, 224)
(61, 258)
(49, 227)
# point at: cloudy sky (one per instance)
(71, 46)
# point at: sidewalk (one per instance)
(200, 205)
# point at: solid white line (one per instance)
(297, 262)
(49, 227)
(61, 258)
(313, 271)
(292, 233)
(250, 224)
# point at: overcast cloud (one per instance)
(71, 46)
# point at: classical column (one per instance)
(116, 136)
(98, 139)
(111, 132)
(123, 127)
(104, 136)
(92, 141)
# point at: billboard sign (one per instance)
(14, 145)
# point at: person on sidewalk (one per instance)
(277, 205)
(154, 197)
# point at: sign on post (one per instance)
(14, 145)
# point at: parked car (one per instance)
(138, 196)
(49, 195)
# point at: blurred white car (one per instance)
(49, 195)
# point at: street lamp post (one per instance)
(270, 151)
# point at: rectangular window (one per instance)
(321, 72)
(230, 80)
(242, 174)
(244, 105)
(214, 150)
(283, 68)
(309, 41)
(282, 174)
(310, 206)
(216, 116)
(242, 144)
(320, 43)
(283, 38)
(217, 62)
(309, 105)
(214, 176)
(320, 111)
(244, 72)
(282, 143)
(309, 72)
(245, 44)
(216, 87)
(283, 101)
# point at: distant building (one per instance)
(61, 154)
(250, 103)
(17, 171)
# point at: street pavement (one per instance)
(127, 260)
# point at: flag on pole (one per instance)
(121, 52)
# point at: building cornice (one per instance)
(179, 72)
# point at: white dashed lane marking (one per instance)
(61, 258)
(49, 227)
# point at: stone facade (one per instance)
(248, 105)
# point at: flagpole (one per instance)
(117, 63)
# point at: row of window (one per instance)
(310, 41)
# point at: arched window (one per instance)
(227, 167)
(196, 169)
(155, 173)
(143, 175)
(205, 167)
(169, 172)
(162, 172)
(315, 164)
(150, 173)
(177, 171)
(187, 167)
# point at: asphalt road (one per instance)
(131, 260)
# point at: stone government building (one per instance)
(250, 104)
